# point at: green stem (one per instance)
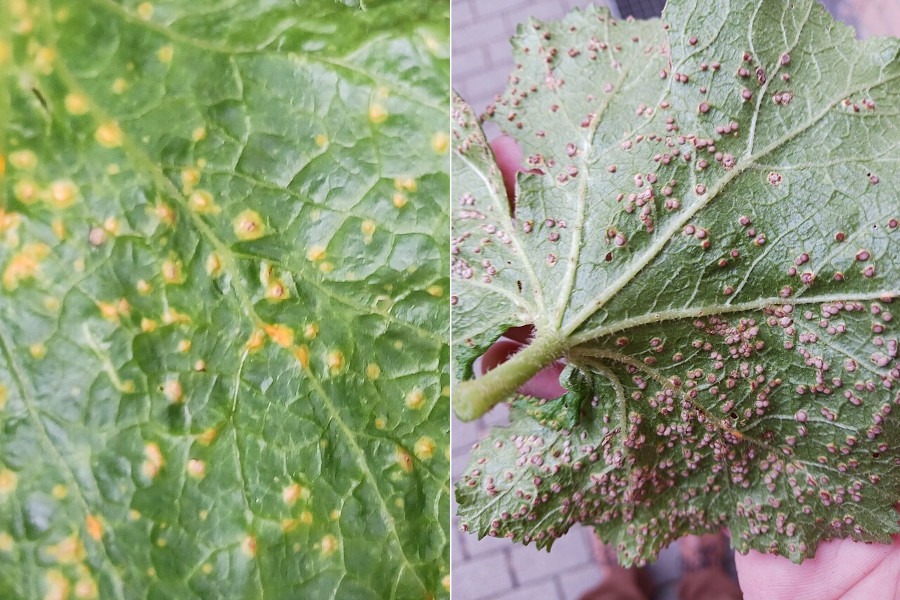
(473, 398)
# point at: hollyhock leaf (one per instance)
(712, 241)
(223, 299)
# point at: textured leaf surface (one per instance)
(714, 244)
(223, 370)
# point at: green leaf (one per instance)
(716, 250)
(223, 312)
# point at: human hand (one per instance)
(842, 569)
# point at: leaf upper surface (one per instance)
(223, 367)
(713, 242)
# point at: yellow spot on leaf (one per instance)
(424, 448)
(301, 353)
(9, 221)
(321, 140)
(281, 335)
(196, 468)
(256, 340)
(134, 515)
(248, 546)
(315, 253)
(67, 551)
(440, 141)
(291, 493)
(109, 135)
(147, 325)
(143, 288)
(165, 213)
(380, 423)
(86, 589)
(38, 351)
(172, 272)
(373, 371)
(173, 391)
(23, 159)
(145, 10)
(404, 460)
(329, 545)
(43, 60)
(368, 229)
(108, 311)
(202, 202)
(59, 228)
(213, 265)
(24, 265)
(8, 482)
(199, 133)
(377, 113)
(248, 225)
(306, 517)
(405, 183)
(335, 361)
(27, 191)
(206, 568)
(165, 54)
(119, 85)
(335, 514)
(276, 291)
(435, 290)
(4, 394)
(200, 365)
(207, 436)
(6, 542)
(56, 585)
(94, 527)
(170, 315)
(415, 399)
(153, 460)
(111, 225)
(184, 345)
(326, 267)
(399, 199)
(445, 581)
(190, 176)
(76, 103)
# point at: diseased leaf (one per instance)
(714, 243)
(223, 367)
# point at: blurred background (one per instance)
(497, 569)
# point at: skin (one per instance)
(842, 569)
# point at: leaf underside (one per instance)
(714, 239)
(223, 366)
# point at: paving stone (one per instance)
(487, 577)
(530, 564)
(463, 435)
(579, 580)
(668, 566)
(544, 590)
(476, 547)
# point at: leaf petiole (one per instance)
(473, 398)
